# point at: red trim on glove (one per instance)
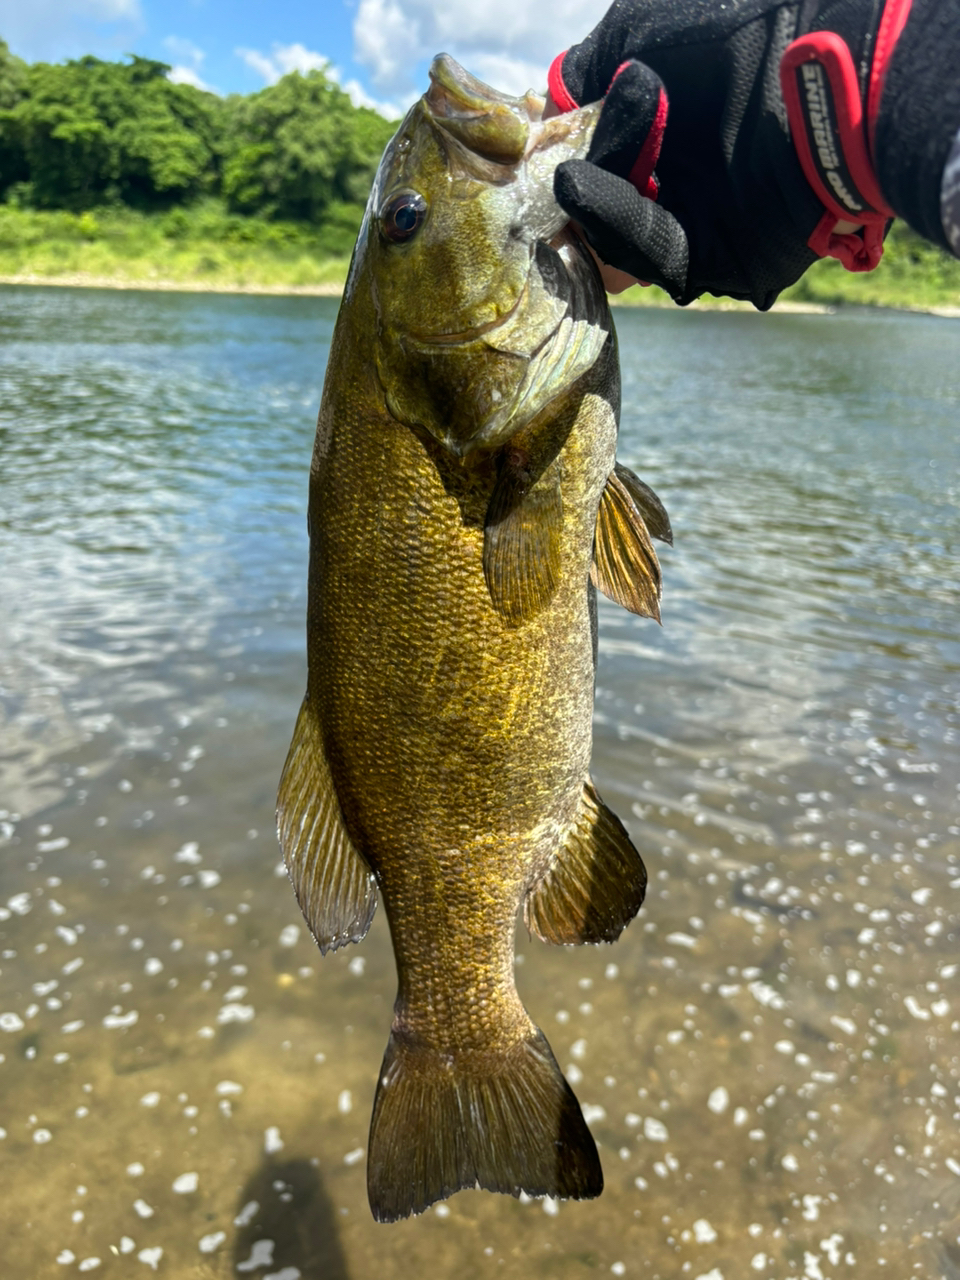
(894, 19)
(822, 96)
(641, 172)
(558, 90)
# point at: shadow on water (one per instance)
(287, 1223)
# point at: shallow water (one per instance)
(768, 1058)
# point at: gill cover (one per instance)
(481, 321)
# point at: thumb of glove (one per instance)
(625, 228)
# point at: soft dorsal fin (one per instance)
(521, 541)
(625, 565)
(333, 884)
(648, 504)
(596, 885)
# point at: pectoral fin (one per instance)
(521, 542)
(333, 884)
(625, 565)
(596, 885)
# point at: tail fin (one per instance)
(504, 1120)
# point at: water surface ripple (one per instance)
(768, 1058)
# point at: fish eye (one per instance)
(401, 216)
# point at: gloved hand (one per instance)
(740, 213)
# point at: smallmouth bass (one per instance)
(464, 504)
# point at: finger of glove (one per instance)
(625, 228)
(631, 123)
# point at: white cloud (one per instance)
(187, 69)
(508, 43)
(187, 75)
(285, 58)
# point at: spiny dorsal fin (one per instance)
(625, 565)
(333, 884)
(648, 504)
(502, 1118)
(596, 885)
(521, 541)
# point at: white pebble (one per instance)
(229, 1087)
(289, 935)
(142, 1209)
(89, 1264)
(703, 1232)
(719, 1100)
(186, 1183)
(272, 1142)
(150, 1099)
(135, 1169)
(354, 1156)
(261, 1255)
(655, 1130)
(246, 1214)
(212, 1242)
(10, 1022)
(151, 1256)
(235, 1013)
(65, 1257)
(42, 1135)
(345, 1102)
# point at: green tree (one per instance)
(13, 79)
(90, 131)
(298, 147)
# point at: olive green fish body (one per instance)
(465, 444)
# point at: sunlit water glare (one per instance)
(769, 1058)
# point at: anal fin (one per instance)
(333, 884)
(596, 885)
(521, 541)
(648, 504)
(625, 565)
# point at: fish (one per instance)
(465, 505)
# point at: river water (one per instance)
(769, 1057)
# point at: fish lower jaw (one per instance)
(464, 337)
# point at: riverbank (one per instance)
(210, 251)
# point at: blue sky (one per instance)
(378, 49)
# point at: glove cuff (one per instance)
(832, 112)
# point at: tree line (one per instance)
(86, 133)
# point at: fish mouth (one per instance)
(491, 124)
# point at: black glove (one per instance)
(743, 209)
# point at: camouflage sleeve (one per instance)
(950, 198)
